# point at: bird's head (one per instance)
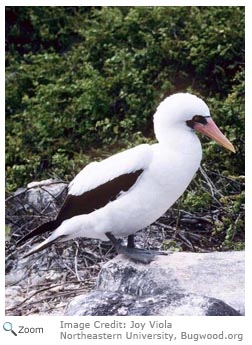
(188, 112)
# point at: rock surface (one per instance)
(178, 284)
(109, 303)
(44, 194)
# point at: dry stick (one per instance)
(52, 214)
(32, 295)
(235, 226)
(39, 213)
(76, 260)
(105, 257)
(69, 268)
(165, 226)
(29, 188)
(45, 298)
(177, 219)
(189, 243)
(235, 181)
(31, 266)
(55, 307)
(59, 295)
(210, 183)
(49, 297)
(50, 283)
(95, 259)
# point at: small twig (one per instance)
(76, 260)
(29, 297)
(177, 218)
(211, 185)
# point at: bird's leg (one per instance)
(131, 243)
(136, 254)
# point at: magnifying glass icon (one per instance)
(7, 326)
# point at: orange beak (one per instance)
(212, 131)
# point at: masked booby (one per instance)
(128, 191)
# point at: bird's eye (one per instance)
(196, 119)
(199, 119)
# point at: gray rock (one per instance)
(109, 303)
(44, 194)
(178, 284)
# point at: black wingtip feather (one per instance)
(49, 226)
(42, 247)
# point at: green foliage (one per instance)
(232, 221)
(79, 78)
(7, 233)
(197, 200)
(172, 246)
(230, 115)
(222, 203)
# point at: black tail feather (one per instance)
(43, 246)
(49, 226)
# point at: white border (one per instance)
(127, 3)
(192, 323)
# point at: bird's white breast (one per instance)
(161, 184)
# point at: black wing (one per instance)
(87, 202)
(98, 197)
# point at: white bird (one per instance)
(130, 190)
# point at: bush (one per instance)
(82, 78)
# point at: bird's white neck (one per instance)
(180, 139)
